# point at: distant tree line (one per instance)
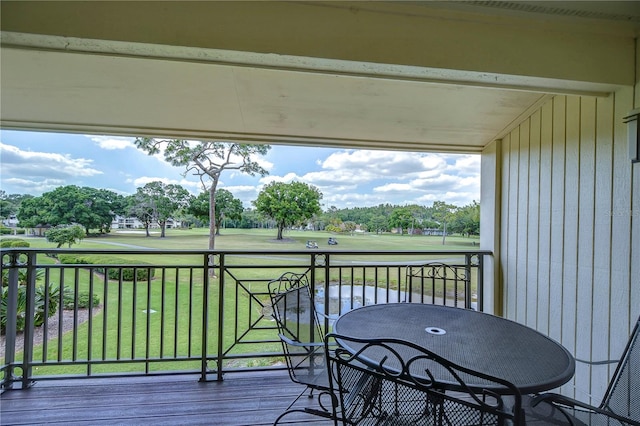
(278, 206)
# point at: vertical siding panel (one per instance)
(557, 218)
(512, 284)
(571, 218)
(602, 247)
(533, 230)
(523, 223)
(635, 244)
(504, 214)
(586, 207)
(571, 230)
(621, 229)
(544, 218)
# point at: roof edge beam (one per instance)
(304, 64)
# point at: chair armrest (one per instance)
(554, 398)
(300, 344)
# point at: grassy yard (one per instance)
(264, 239)
(118, 324)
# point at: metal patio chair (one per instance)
(438, 284)
(394, 382)
(620, 404)
(302, 341)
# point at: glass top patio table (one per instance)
(478, 341)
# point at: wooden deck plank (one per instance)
(247, 399)
(254, 399)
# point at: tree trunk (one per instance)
(212, 223)
(162, 224)
(212, 215)
(444, 233)
(146, 228)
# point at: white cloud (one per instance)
(16, 162)
(379, 164)
(32, 186)
(112, 142)
(353, 178)
(288, 178)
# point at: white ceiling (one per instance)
(60, 83)
(204, 100)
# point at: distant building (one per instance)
(121, 222)
(11, 221)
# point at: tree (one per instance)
(61, 235)
(199, 207)
(443, 213)
(466, 219)
(207, 159)
(10, 203)
(227, 207)
(66, 205)
(378, 223)
(401, 218)
(350, 226)
(163, 200)
(288, 203)
(140, 206)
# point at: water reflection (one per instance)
(344, 298)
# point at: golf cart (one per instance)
(312, 244)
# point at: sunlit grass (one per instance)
(122, 331)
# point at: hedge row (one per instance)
(141, 272)
(13, 242)
(9, 231)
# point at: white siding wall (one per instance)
(569, 241)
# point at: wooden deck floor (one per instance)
(251, 399)
(241, 399)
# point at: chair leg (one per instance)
(322, 412)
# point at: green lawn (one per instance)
(179, 298)
(264, 239)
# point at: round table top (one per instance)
(485, 343)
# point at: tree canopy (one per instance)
(61, 235)
(67, 205)
(288, 203)
(227, 207)
(157, 201)
(207, 160)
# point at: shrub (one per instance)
(22, 276)
(13, 242)
(84, 300)
(40, 309)
(141, 273)
(21, 311)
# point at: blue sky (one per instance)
(36, 162)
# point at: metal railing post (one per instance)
(29, 321)
(480, 288)
(11, 328)
(205, 318)
(221, 273)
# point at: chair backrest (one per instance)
(623, 394)
(300, 333)
(439, 284)
(390, 381)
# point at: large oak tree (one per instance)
(288, 203)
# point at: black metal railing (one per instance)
(103, 313)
